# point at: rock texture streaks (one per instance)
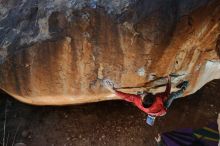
(56, 52)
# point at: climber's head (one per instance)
(147, 100)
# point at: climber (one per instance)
(153, 105)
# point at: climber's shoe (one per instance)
(183, 85)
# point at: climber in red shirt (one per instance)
(153, 105)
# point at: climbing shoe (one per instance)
(185, 84)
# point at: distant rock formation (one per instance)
(57, 52)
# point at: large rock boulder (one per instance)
(59, 52)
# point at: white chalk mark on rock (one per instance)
(141, 71)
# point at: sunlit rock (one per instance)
(59, 52)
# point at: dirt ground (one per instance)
(112, 123)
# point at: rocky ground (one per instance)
(105, 123)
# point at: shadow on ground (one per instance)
(110, 123)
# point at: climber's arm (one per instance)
(126, 96)
(168, 87)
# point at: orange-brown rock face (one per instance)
(70, 56)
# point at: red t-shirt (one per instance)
(157, 108)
